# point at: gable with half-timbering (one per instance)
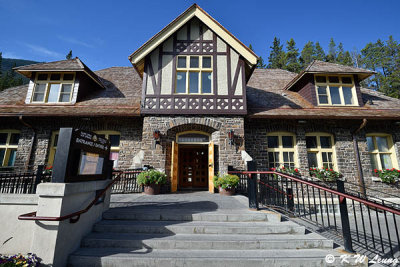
(194, 72)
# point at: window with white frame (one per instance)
(194, 75)
(281, 150)
(381, 151)
(8, 147)
(114, 137)
(53, 88)
(334, 90)
(321, 151)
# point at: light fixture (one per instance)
(156, 135)
(231, 137)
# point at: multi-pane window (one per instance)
(381, 151)
(53, 88)
(336, 90)
(320, 150)
(114, 138)
(8, 147)
(281, 150)
(53, 148)
(194, 75)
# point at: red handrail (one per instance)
(32, 215)
(344, 195)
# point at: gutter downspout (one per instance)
(33, 139)
(361, 181)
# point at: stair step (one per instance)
(206, 241)
(193, 227)
(179, 215)
(231, 258)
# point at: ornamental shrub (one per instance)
(328, 175)
(151, 177)
(389, 176)
(291, 171)
(227, 181)
(31, 260)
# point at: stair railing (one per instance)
(370, 224)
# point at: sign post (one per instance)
(81, 156)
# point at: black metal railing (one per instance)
(24, 182)
(127, 182)
(367, 225)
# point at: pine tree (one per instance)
(319, 52)
(276, 59)
(69, 55)
(331, 57)
(260, 63)
(340, 54)
(347, 59)
(307, 54)
(292, 57)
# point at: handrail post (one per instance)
(39, 173)
(252, 186)
(344, 216)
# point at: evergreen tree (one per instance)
(347, 59)
(276, 59)
(331, 57)
(292, 57)
(69, 55)
(1, 61)
(319, 52)
(340, 54)
(260, 63)
(308, 54)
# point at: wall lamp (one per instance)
(156, 136)
(231, 137)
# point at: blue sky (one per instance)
(105, 33)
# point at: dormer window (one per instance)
(335, 90)
(194, 75)
(53, 88)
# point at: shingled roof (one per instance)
(268, 98)
(120, 97)
(74, 64)
(318, 66)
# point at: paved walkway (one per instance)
(194, 201)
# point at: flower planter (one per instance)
(227, 191)
(152, 189)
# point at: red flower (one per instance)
(283, 167)
(331, 170)
(311, 169)
(387, 169)
(273, 169)
(375, 170)
(315, 169)
(296, 170)
(398, 170)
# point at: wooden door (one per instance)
(193, 167)
(211, 167)
(174, 167)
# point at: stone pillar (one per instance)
(54, 241)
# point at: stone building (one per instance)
(194, 104)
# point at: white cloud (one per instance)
(43, 51)
(75, 41)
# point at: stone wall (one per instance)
(256, 145)
(130, 142)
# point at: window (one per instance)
(8, 147)
(320, 150)
(194, 75)
(336, 90)
(193, 137)
(381, 151)
(115, 138)
(53, 148)
(53, 88)
(281, 150)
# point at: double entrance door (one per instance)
(193, 167)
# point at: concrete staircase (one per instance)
(157, 236)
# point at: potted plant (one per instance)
(226, 184)
(389, 176)
(290, 171)
(151, 180)
(326, 175)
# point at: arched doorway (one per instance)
(193, 161)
